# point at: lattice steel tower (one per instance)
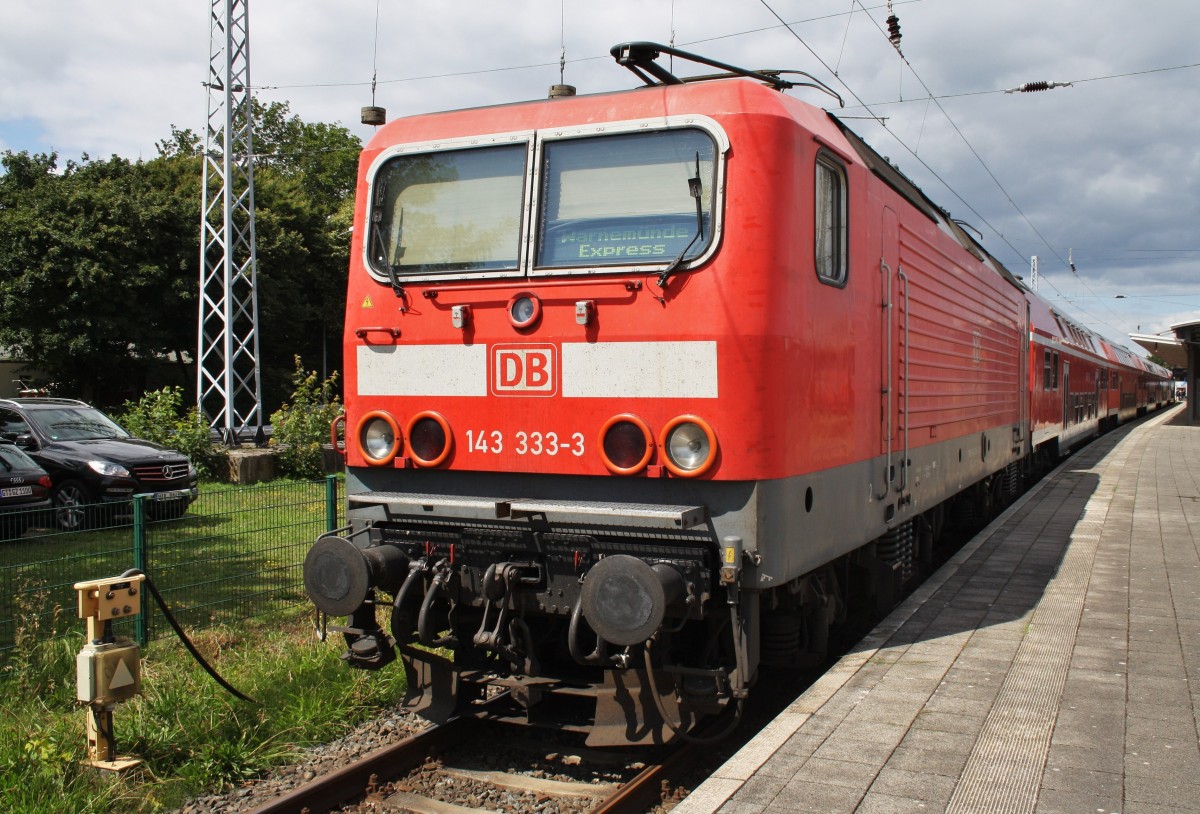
(228, 386)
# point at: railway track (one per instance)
(469, 766)
(473, 763)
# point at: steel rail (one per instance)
(342, 785)
(645, 789)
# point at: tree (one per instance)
(99, 261)
(94, 269)
(304, 177)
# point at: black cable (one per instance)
(208, 668)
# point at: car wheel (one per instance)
(71, 501)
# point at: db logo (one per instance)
(523, 370)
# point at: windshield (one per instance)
(75, 424)
(453, 210)
(621, 199)
(13, 458)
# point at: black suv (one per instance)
(92, 461)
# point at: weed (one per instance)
(160, 416)
(192, 736)
(34, 623)
(303, 425)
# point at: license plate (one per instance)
(162, 497)
(16, 491)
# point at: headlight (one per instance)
(378, 438)
(690, 446)
(428, 439)
(625, 444)
(108, 469)
(524, 310)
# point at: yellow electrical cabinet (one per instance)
(108, 673)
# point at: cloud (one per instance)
(1104, 167)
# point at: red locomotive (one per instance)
(645, 389)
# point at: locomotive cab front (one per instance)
(587, 432)
(535, 432)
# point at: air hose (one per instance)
(183, 637)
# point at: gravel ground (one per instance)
(385, 730)
(552, 757)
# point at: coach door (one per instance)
(1026, 389)
(1066, 393)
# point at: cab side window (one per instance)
(831, 233)
(12, 425)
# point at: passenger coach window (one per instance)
(627, 198)
(831, 233)
(453, 210)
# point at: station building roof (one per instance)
(1167, 347)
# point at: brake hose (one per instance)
(208, 668)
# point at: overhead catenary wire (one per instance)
(846, 36)
(671, 57)
(975, 153)
(701, 41)
(900, 141)
(562, 42)
(893, 39)
(375, 55)
(930, 169)
(536, 65)
(964, 94)
(892, 36)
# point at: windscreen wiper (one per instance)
(696, 190)
(378, 250)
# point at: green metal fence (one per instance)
(235, 554)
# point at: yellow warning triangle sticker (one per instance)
(121, 676)
(367, 303)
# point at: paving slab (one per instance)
(1052, 665)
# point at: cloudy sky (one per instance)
(1105, 172)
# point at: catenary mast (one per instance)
(228, 385)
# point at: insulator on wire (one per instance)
(893, 23)
(1034, 87)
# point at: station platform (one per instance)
(1052, 665)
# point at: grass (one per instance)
(236, 553)
(230, 570)
(192, 736)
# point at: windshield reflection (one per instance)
(76, 424)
